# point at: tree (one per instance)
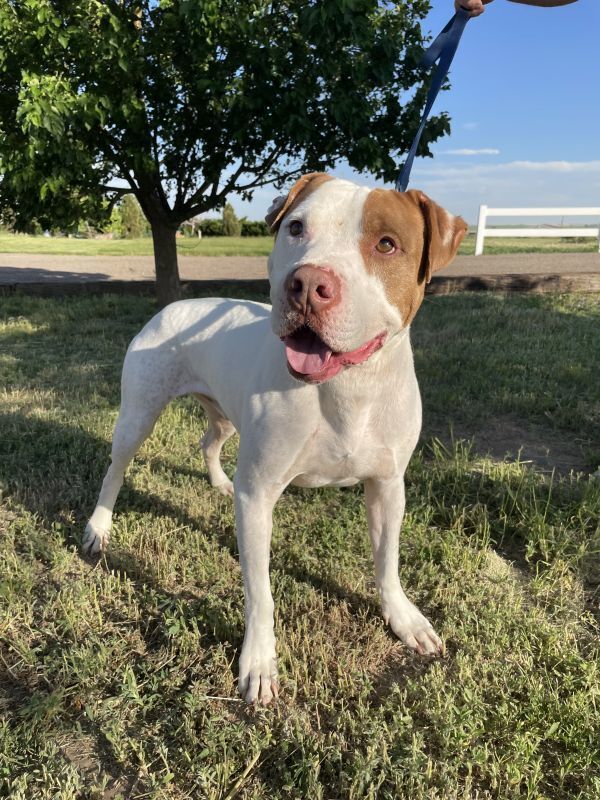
(127, 219)
(187, 101)
(232, 226)
(133, 224)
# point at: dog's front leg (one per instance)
(258, 663)
(385, 510)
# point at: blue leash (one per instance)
(442, 48)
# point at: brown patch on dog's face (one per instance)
(299, 191)
(405, 238)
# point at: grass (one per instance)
(499, 246)
(118, 679)
(186, 246)
(251, 246)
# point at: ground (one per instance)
(508, 437)
(77, 261)
(118, 676)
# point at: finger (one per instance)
(474, 7)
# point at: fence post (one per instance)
(480, 230)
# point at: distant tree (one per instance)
(232, 226)
(212, 227)
(133, 222)
(32, 227)
(254, 227)
(115, 222)
(188, 101)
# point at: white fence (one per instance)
(485, 212)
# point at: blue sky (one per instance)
(525, 110)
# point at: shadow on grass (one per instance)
(34, 274)
(31, 697)
(55, 471)
(500, 367)
(477, 358)
(512, 371)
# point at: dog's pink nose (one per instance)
(313, 289)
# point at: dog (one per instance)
(320, 386)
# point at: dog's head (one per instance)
(349, 269)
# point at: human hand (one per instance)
(476, 7)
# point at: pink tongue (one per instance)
(306, 353)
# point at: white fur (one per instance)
(362, 425)
(332, 219)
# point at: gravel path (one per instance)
(27, 268)
(22, 268)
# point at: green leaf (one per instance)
(200, 87)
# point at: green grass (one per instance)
(500, 246)
(118, 679)
(186, 246)
(250, 246)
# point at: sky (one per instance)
(525, 109)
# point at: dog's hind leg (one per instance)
(139, 411)
(219, 430)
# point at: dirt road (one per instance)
(21, 268)
(55, 275)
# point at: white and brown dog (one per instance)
(321, 387)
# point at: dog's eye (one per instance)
(296, 227)
(385, 245)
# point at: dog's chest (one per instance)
(344, 455)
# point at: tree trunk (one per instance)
(168, 286)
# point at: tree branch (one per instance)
(112, 155)
(192, 204)
(200, 208)
(117, 196)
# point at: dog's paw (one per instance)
(95, 540)
(225, 488)
(413, 628)
(258, 681)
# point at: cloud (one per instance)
(556, 166)
(465, 151)
(432, 168)
(462, 188)
(470, 126)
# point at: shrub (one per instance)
(212, 227)
(254, 227)
(33, 228)
(248, 227)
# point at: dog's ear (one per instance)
(281, 205)
(274, 209)
(443, 233)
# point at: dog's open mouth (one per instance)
(311, 360)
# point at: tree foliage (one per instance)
(133, 223)
(187, 101)
(232, 226)
(212, 227)
(252, 227)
